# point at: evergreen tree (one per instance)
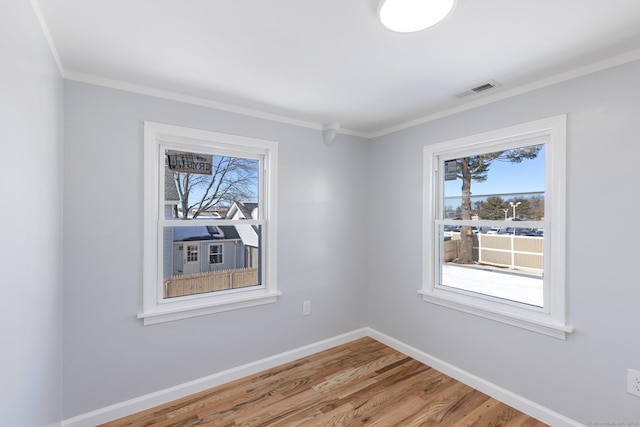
(476, 168)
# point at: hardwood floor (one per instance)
(360, 383)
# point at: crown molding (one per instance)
(194, 100)
(529, 87)
(180, 97)
(47, 35)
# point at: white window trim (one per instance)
(221, 253)
(155, 309)
(551, 319)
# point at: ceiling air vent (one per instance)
(483, 87)
(479, 88)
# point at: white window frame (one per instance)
(157, 137)
(219, 253)
(550, 319)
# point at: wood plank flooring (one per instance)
(360, 383)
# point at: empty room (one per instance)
(297, 212)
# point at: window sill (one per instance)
(540, 325)
(169, 312)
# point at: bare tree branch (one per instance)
(232, 178)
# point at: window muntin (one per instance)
(215, 254)
(207, 190)
(192, 253)
(528, 245)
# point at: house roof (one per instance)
(201, 232)
(170, 191)
(246, 209)
(248, 233)
(229, 231)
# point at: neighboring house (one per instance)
(200, 249)
(250, 234)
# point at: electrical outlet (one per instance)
(306, 307)
(633, 382)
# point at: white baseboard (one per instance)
(142, 403)
(515, 401)
(148, 401)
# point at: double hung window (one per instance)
(493, 239)
(215, 254)
(209, 200)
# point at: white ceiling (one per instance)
(323, 61)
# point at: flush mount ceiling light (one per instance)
(408, 16)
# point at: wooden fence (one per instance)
(199, 283)
(503, 250)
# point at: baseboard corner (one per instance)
(514, 400)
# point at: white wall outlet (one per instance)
(633, 382)
(306, 307)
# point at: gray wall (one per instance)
(331, 199)
(583, 377)
(109, 356)
(31, 135)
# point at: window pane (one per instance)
(215, 254)
(233, 259)
(199, 185)
(201, 259)
(494, 258)
(501, 185)
(191, 254)
(522, 287)
(508, 266)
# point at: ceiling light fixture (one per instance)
(408, 16)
